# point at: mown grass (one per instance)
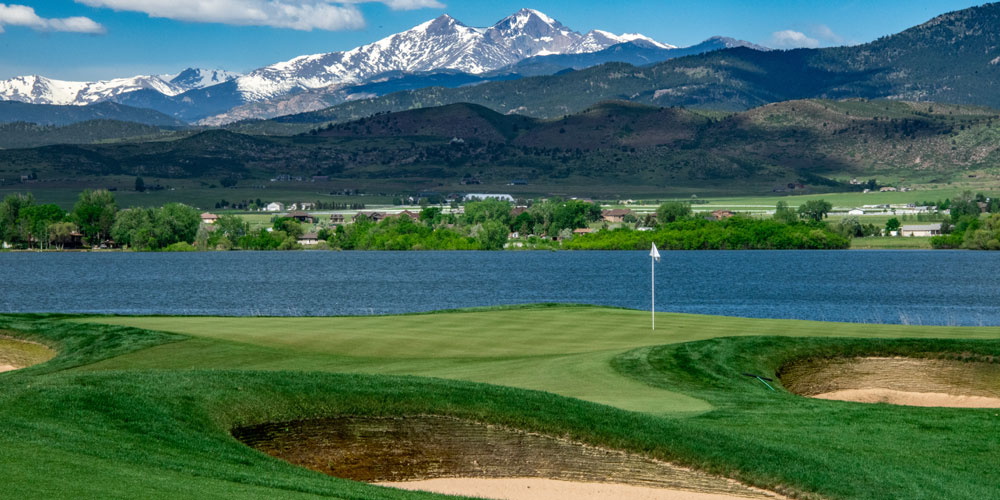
(890, 243)
(143, 413)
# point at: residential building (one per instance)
(921, 230)
(488, 196)
(615, 215)
(275, 206)
(207, 218)
(309, 239)
(301, 217)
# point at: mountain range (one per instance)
(953, 58)
(442, 51)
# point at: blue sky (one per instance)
(99, 39)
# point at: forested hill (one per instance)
(607, 145)
(50, 114)
(954, 58)
(29, 135)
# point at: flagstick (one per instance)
(652, 276)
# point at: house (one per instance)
(582, 230)
(207, 218)
(337, 219)
(488, 196)
(372, 216)
(514, 212)
(301, 217)
(305, 205)
(722, 214)
(309, 239)
(414, 216)
(921, 230)
(615, 215)
(274, 206)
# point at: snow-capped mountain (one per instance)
(197, 78)
(598, 40)
(40, 90)
(443, 43)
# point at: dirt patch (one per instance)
(16, 354)
(394, 450)
(902, 381)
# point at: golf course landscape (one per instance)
(152, 403)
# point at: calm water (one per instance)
(914, 287)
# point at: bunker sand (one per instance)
(526, 488)
(469, 458)
(900, 381)
(16, 354)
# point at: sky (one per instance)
(100, 39)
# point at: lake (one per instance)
(909, 287)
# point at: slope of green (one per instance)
(566, 351)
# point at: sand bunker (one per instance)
(526, 488)
(900, 381)
(17, 354)
(448, 455)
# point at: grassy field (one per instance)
(890, 243)
(144, 404)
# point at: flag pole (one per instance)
(654, 257)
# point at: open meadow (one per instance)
(149, 403)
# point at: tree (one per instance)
(671, 211)
(94, 213)
(289, 226)
(61, 233)
(964, 204)
(489, 209)
(35, 221)
(492, 235)
(231, 227)
(10, 216)
(140, 185)
(783, 213)
(133, 228)
(892, 225)
(174, 223)
(815, 210)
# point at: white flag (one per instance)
(654, 253)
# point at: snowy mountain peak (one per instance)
(524, 17)
(730, 43)
(196, 78)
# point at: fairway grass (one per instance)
(562, 350)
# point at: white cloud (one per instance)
(294, 14)
(789, 39)
(22, 15)
(823, 32)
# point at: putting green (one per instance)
(563, 350)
